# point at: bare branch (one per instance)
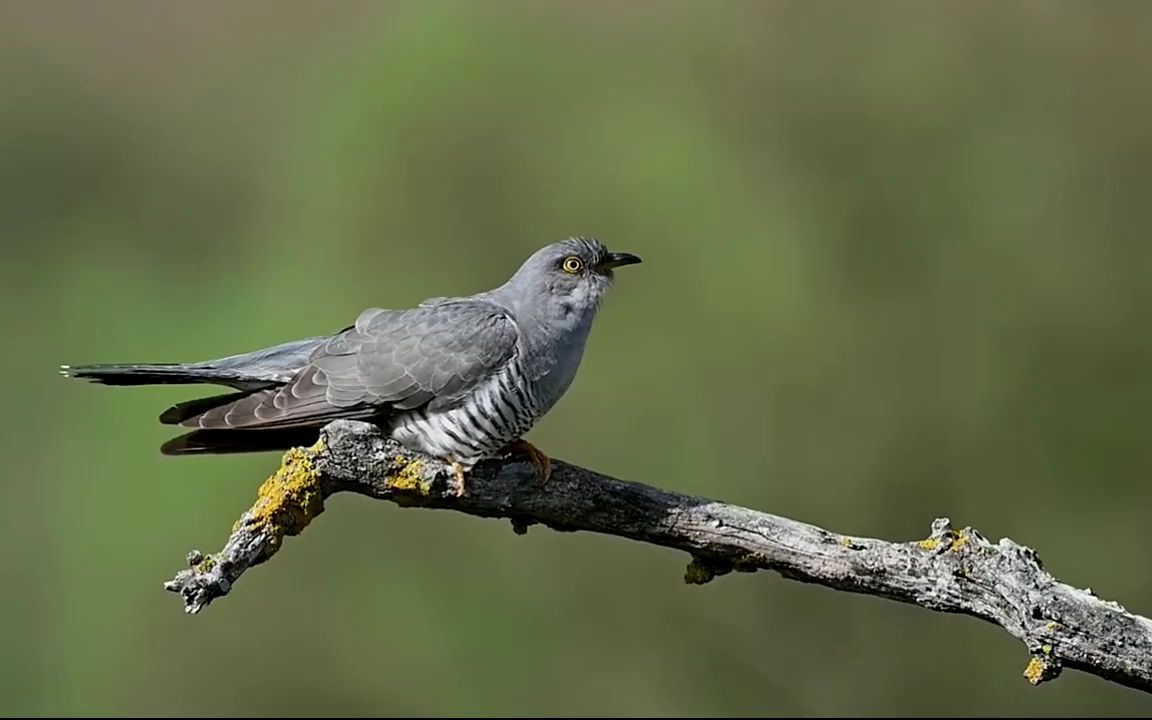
(952, 570)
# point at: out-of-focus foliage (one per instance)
(897, 266)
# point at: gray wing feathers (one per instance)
(274, 364)
(388, 360)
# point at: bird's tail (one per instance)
(246, 371)
(148, 374)
(226, 442)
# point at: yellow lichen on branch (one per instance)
(1042, 668)
(406, 480)
(954, 539)
(289, 499)
(959, 540)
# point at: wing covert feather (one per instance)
(388, 360)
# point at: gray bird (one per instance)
(458, 378)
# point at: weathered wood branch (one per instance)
(952, 570)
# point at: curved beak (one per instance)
(615, 260)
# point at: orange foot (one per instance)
(537, 458)
(458, 470)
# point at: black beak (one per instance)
(615, 260)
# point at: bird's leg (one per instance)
(458, 471)
(537, 458)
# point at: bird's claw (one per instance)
(458, 473)
(540, 460)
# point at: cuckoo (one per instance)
(461, 379)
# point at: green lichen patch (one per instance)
(746, 564)
(701, 571)
(698, 573)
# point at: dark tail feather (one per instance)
(221, 442)
(134, 374)
(189, 409)
(247, 371)
(140, 374)
(162, 374)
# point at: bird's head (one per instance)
(569, 277)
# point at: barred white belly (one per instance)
(498, 412)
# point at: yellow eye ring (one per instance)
(573, 264)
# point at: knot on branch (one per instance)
(945, 538)
(703, 570)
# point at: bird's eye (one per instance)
(573, 264)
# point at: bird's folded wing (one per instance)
(388, 360)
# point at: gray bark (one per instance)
(951, 570)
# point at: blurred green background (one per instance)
(896, 266)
